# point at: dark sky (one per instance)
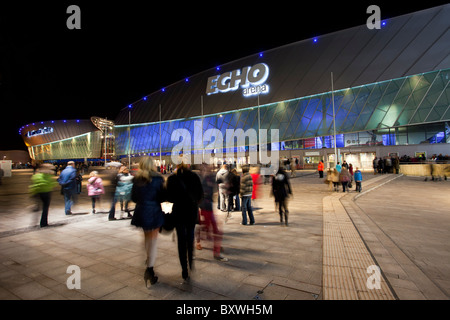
(129, 49)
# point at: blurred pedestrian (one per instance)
(42, 185)
(293, 168)
(344, 179)
(148, 194)
(246, 191)
(375, 165)
(380, 166)
(79, 180)
(396, 164)
(281, 189)
(235, 182)
(207, 219)
(184, 190)
(114, 179)
(95, 188)
(223, 184)
(67, 181)
(335, 179)
(329, 179)
(320, 168)
(338, 167)
(123, 189)
(254, 173)
(358, 179)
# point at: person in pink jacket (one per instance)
(95, 188)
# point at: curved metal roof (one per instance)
(407, 45)
(42, 132)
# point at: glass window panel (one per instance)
(304, 122)
(416, 135)
(444, 103)
(390, 94)
(401, 99)
(312, 106)
(360, 101)
(314, 124)
(340, 118)
(348, 100)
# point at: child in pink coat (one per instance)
(95, 188)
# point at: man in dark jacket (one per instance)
(280, 189)
(246, 190)
(67, 180)
(184, 190)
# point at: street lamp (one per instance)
(334, 120)
(129, 136)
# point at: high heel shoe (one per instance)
(150, 275)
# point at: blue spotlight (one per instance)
(315, 40)
(145, 98)
(186, 80)
(260, 54)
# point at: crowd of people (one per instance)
(192, 194)
(343, 175)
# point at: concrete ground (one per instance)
(399, 224)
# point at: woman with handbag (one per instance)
(344, 178)
(148, 194)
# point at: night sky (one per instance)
(126, 50)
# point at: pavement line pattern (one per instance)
(346, 258)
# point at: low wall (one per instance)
(425, 169)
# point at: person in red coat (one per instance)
(254, 172)
(320, 168)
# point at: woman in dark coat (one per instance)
(280, 189)
(148, 194)
(185, 191)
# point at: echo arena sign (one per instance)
(251, 79)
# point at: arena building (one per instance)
(387, 89)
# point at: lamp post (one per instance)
(105, 132)
(129, 137)
(334, 120)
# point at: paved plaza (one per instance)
(396, 228)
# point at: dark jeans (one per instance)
(45, 198)
(185, 235)
(69, 200)
(358, 186)
(247, 207)
(320, 174)
(282, 205)
(112, 211)
(344, 185)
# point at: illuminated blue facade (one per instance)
(408, 110)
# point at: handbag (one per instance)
(168, 224)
